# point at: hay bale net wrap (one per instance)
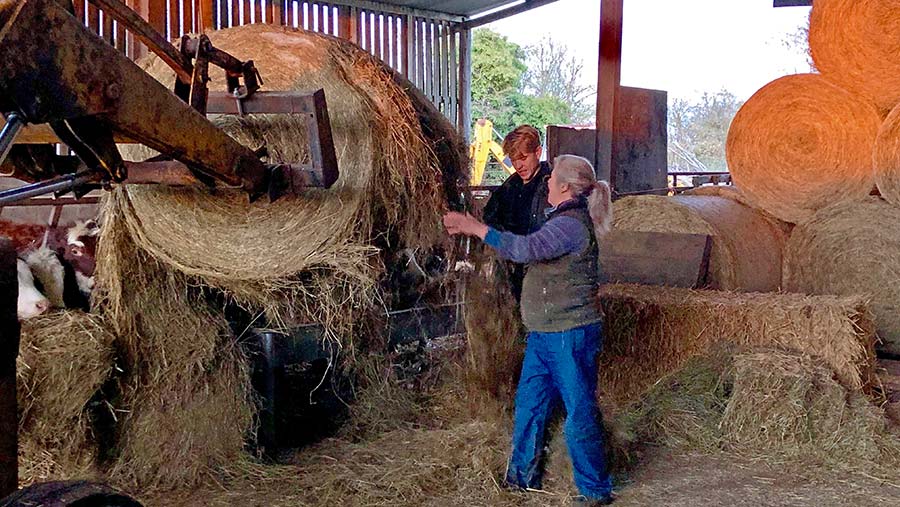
(747, 244)
(854, 43)
(801, 143)
(390, 185)
(64, 360)
(651, 331)
(851, 248)
(886, 158)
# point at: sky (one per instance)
(685, 47)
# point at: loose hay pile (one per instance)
(765, 404)
(64, 359)
(652, 331)
(747, 244)
(851, 248)
(494, 331)
(854, 43)
(801, 143)
(310, 258)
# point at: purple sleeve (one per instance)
(558, 237)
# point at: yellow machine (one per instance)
(482, 148)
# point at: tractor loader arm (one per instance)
(55, 71)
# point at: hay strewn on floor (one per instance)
(851, 248)
(747, 244)
(64, 359)
(801, 143)
(652, 331)
(854, 44)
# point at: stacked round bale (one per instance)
(309, 258)
(811, 148)
(746, 253)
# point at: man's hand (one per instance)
(459, 223)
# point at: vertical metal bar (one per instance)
(9, 349)
(429, 59)
(187, 13)
(409, 64)
(224, 16)
(206, 16)
(172, 19)
(464, 119)
(452, 73)
(93, 18)
(608, 69)
(79, 10)
(391, 45)
(445, 67)
(120, 36)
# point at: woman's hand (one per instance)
(459, 223)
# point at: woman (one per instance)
(558, 308)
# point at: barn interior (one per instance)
(277, 317)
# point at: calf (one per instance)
(31, 302)
(58, 261)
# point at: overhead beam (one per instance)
(527, 5)
(608, 72)
(370, 5)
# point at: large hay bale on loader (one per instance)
(309, 258)
(801, 143)
(847, 249)
(746, 243)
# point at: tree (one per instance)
(798, 42)
(510, 93)
(552, 72)
(497, 69)
(698, 131)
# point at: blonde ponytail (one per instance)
(579, 174)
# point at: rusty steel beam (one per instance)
(43, 74)
(9, 349)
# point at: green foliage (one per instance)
(511, 92)
(698, 130)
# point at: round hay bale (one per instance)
(886, 158)
(801, 143)
(746, 245)
(855, 44)
(847, 249)
(391, 185)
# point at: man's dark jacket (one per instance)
(518, 208)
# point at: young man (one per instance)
(518, 205)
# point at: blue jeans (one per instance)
(560, 366)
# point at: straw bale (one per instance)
(64, 360)
(791, 405)
(766, 404)
(747, 243)
(886, 158)
(652, 331)
(854, 43)
(851, 248)
(801, 143)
